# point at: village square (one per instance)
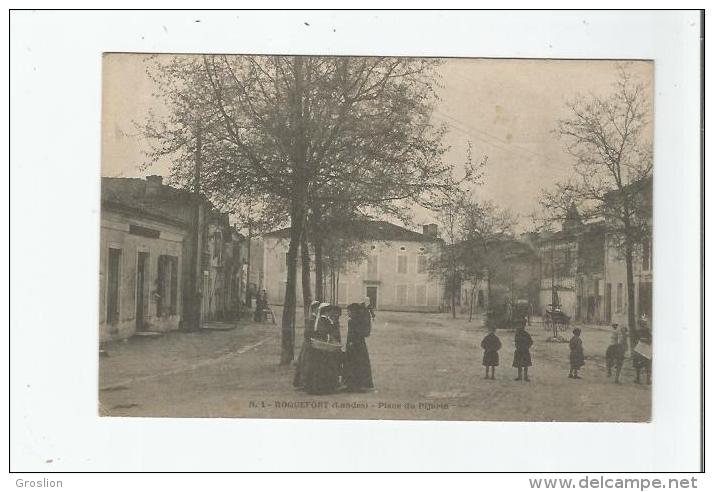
(326, 237)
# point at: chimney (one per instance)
(431, 230)
(153, 184)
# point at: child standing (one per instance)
(615, 355)
(491, 344)
(522, 355)
(577, 356)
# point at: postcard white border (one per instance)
(55, 159)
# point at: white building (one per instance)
(394, 273)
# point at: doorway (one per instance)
(372, 294)
(142, 268)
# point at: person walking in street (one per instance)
(615, 354)
(357, 370)
(368, 306)
(491, 344)
(577, 355)
(304, 357)
(522, 355)
(322, 373)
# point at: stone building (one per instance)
(616, 270)
(139, 274)
(573, 268)
(394, 273)
(159, 268)
(224, 256)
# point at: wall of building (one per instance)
(558, 261)
(410, 291)
(576, 263)
(115, 233)
(616, 277)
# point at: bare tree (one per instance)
(483, 225)
(451, 209)
(608, 138)
(291, 128)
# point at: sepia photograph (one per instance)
(254, 241)
(348, 237)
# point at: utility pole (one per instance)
(197, 274)
(247, 276)
(554, 293)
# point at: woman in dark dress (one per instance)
(491, 344)
(522, 355)
(357, 370)
(304, 357)
(322, 373)
(577, 355)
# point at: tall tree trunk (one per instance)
(453, 296)
(631, 322)
(297, 214)
(287, 341)
(306, 290)
(337, 287)
(319, 269)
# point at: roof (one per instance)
(161, 202)
(642, 187)
(377, 230)
(572, 233)
(508, 247)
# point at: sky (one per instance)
(506, 108)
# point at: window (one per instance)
(402, 295)
(618, 304)
(420, 294)
(167, 286)
(217, 249)
(372, 264)
(421, 263)
(113, 284)
(402, 264)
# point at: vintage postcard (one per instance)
(376, 238)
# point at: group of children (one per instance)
(615, 355)
(522, 360)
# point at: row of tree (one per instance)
(317, 143)
(608, 138)
(312, 142)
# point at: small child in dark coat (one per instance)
(522, 356)
(491, 344)
(577, 356)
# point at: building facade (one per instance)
(168, 259)
(139, 274)
(394, 272)
(573, 269)
(616, 305)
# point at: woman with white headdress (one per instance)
(304, 357)
(322, 373)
